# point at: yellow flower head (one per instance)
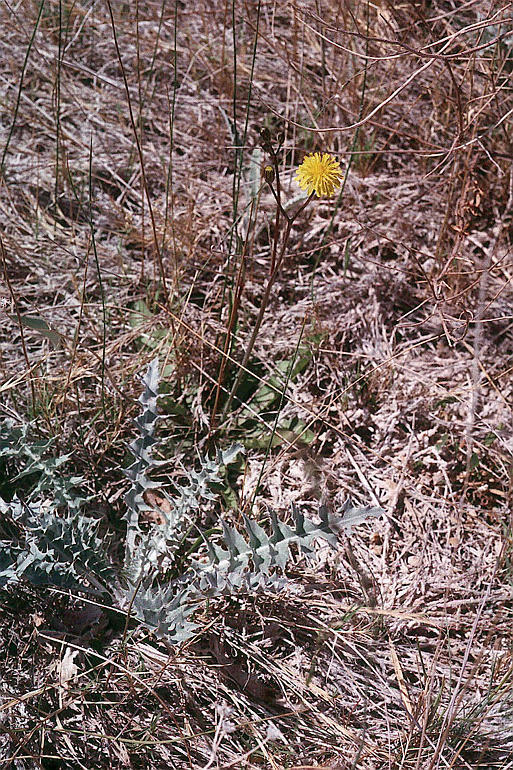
(320, 174)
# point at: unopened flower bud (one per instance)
(269, 174)
(265, 135)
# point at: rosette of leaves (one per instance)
(171, 566)
(233, 560)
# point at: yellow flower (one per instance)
(320, 174)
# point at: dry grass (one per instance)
(121, 165)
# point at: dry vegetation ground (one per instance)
(127, 131)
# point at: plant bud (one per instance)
(269, 174)
(265, 140)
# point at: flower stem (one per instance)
(275, 267)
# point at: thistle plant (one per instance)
(172, 566)
(319, 175)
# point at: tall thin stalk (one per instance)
(277, 255)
